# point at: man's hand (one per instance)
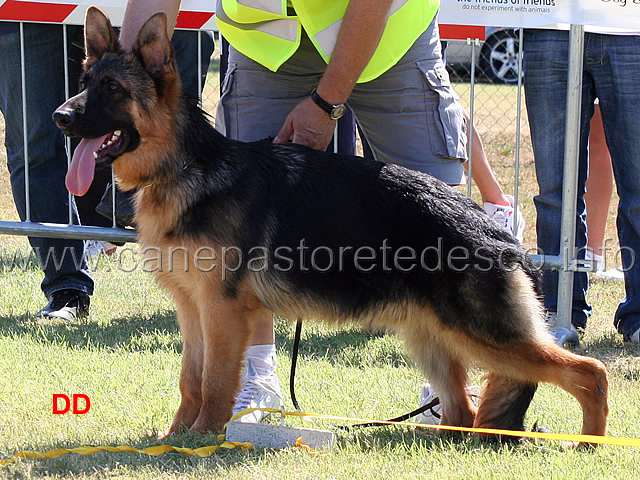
(307, 124)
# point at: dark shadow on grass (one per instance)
(138, 333)
(158, 331)
(314, 345)
(608, 349)
(352, 347)
(392, 437)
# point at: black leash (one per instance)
(294, 362)
(401, 418)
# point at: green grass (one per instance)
(126, 358)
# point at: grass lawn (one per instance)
(126, 358)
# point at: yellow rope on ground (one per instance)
(210, 450)
(565, 437)
(153, 451)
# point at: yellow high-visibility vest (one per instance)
(263, 31)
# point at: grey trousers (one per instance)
(409, 115)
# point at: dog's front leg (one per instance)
(226, 328)
(192, 361)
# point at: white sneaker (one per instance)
(613, 273)
(93, 248)
(633, 338)
(431, 416)
(503, 215)
(258, 392)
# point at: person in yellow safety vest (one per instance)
(271, 32)
(294, 65)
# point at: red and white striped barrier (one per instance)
(194, 14)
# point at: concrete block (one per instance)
(264, 435)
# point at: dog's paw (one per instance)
(164, 434)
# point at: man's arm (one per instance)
(360, 33)
(359, 36)
(139, 11)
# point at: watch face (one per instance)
(338, 111)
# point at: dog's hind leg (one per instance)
(192, 358)
(519, 353)
(541, 360)
(583, 377)
(448, 376)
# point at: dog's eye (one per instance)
(113, 87)
(82, 85)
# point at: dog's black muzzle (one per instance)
(64, 117)
(67, 116)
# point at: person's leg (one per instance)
(545, 96)
(599, 185)
(253, 106)
(619, 105)
(62, 260)
(410, 114)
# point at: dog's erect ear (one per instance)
(153, 46)
(99, 36)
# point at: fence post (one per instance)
(564, 333)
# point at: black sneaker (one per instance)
(69, 305)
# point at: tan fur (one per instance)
(157, 134)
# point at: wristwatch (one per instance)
(334, 111)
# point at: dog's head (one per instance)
(130, 96)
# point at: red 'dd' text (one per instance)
(62, 403)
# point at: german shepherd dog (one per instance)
(238, 230)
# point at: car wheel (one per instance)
(499, 57)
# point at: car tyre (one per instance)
(499, 57)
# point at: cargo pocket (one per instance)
(223, 118)
(449, 132)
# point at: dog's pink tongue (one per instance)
(83, 164)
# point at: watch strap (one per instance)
(321, 102)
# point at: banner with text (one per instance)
(538, 13)
(511, 13)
